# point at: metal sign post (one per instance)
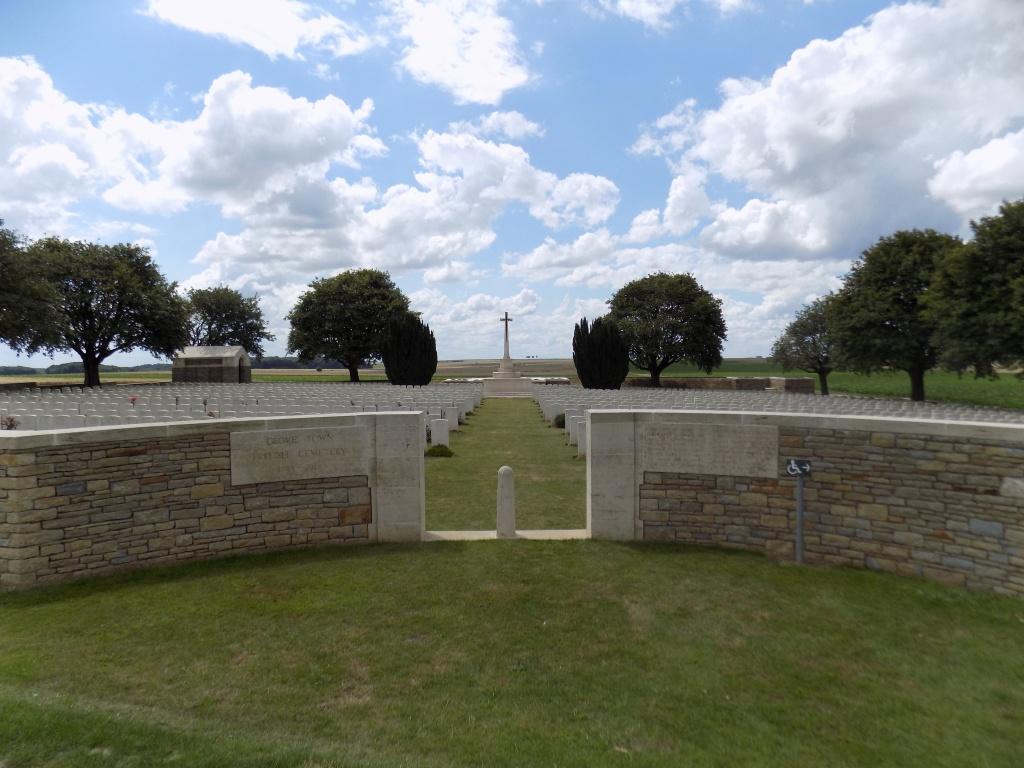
(800, 469)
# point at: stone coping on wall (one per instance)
(43, 438)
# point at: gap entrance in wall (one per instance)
(550, 479)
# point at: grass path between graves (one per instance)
(550, 479)
(509, 653)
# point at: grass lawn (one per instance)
(1006, 391)
(550, 480)
(510, 653)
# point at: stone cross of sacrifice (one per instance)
(506, 320)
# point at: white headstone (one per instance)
(439, 431)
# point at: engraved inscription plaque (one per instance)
(298, 454)
(711, 449)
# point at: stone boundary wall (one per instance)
(80, 502)
(937, 499)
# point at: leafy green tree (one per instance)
(977, 297)
(666, 319)
(344, 318)
(878, 319)
(222, 316)
(599, 354)
(807, 345)
(26, 301)
(107, 299)
(409, 351)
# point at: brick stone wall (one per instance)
(943, 507)
(94, 508)
(78, 502)
(803, 385)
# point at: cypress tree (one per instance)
(599, 354)
(409, 351)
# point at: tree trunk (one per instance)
(353, 373)
(655, 376)
(823, 381)
(92, 371)
(917, 383)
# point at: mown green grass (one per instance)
(509, 653)
(550, 479)
(1005, 391)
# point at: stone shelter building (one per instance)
(212, 365)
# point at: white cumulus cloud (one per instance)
(973, 183)
(465, 47)
(856, 136)
(510, 125)
(244, 145)
(273, 27)
(658, 14)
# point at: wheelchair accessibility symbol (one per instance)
(798, 467)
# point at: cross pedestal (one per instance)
(506, 368)
(507, 381)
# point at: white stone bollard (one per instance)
(506, 503)
(439, 431)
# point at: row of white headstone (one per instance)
(76, 407)
(575, 401)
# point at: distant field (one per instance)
(126, 377)
(1006, 391)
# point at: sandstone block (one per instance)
(28, 565)
(18, 553)
(980, 527)
(207, 491)
(296, 500)
(883, 439)
(873, 511)
(17, 483)
(151, 516)
(124, 487)
(17, 459)
(214, 464)
(278, 514)
(216, 523)
(34, 538)
(907, 537)
(355, 515)
(959, 563)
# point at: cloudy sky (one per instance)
(521, 156)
